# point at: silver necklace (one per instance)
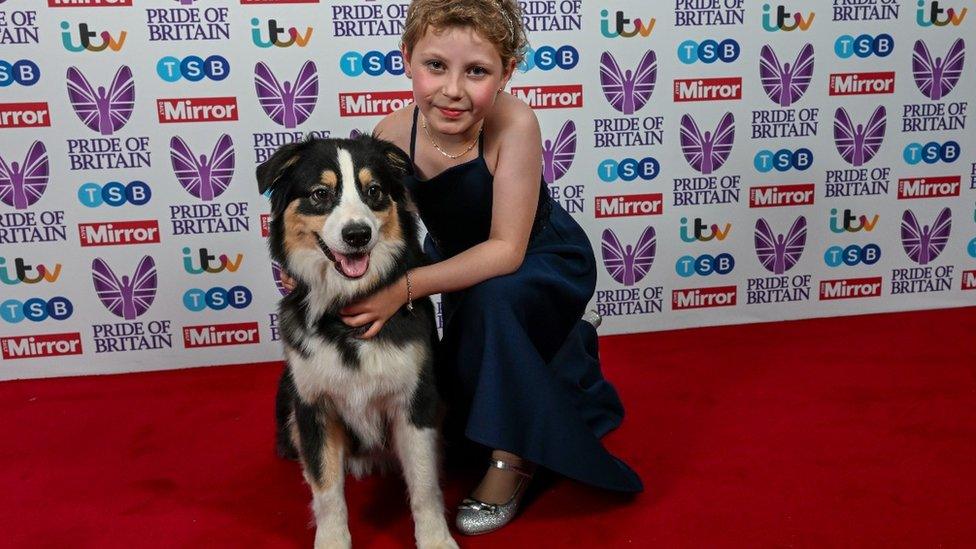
(423, 122)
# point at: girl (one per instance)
(517, 365)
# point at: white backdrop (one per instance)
(732, 161)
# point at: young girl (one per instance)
(517, 365)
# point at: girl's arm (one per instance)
(515, 196)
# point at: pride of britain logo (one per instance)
(628, 265)
(292, 102)
(778, 254)
(628, 91)
(923, 244)
(23, 183)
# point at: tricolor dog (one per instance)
(340, 228)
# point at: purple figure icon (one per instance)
(104, 111)
(785, 84)
(707, 153)
(924, 244)
(276, 273)
(23, 184)
(129, 297)
(288, 104)
(558, 157)
(204, 178)
(780, 253)
(936, 78)
(628, 265)
(858, 145)
(628, 91)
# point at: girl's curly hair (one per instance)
(498, 21)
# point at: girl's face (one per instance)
(456, 74)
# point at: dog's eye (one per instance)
(321, 195)
(374, 191)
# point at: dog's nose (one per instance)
(356, 235)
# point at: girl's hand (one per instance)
(377, 308)
(287, 281)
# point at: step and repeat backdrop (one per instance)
(732, 161)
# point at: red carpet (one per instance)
(856, 431)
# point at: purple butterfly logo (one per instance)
(128, 297)
(924, 244)
(780, 253)
(557, 156)
(628, 91)
(707, 152)
(23, 184)
(104, 111)
(785, 84)
(936, 78)
(628, 265)
(276, 273)
(289, 104)
(858, 144)
(356, 134)
(204, 178)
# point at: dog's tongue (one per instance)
(354, 265)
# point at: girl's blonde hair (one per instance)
(498, 21)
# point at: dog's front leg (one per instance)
(416, 449)
(322, 446)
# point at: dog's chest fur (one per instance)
(378, 385)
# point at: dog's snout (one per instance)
(356, 235)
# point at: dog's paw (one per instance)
(325, 540)
(442, 543)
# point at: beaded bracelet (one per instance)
(409, 292)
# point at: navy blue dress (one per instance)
(516, 365)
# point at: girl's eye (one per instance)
(375, 192)
(435, 65)
(478, 71)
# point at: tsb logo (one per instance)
(853, 255)
(373, 63)
(705, 265)
(783, 160)
(931, 152)
(548, 58)
(864, 46)
(628, 169)
(708, 51)
(238, 297)
(36, 309)
(193, 68)
(114, 194)
(24, 72)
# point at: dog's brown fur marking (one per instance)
(300, 229)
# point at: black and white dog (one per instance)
(340, 228)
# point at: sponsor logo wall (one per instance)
(731, 161)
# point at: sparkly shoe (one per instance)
(477, 517)
(593, 318)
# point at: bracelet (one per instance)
(409, 292)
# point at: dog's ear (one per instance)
(395, 156)
(269, 171)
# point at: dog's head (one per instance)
(338, 217)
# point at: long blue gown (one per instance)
(518, 368)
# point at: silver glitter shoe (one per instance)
(593, 318)
(477, 517)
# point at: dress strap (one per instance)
(481, 141)
(413, 132)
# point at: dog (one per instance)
(341, 227)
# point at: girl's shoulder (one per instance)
(510, 116)
(395, 127)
